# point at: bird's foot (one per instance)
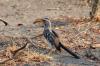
(51, 52)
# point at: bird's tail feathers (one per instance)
(69, 51)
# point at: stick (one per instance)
(4, 22)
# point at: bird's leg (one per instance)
(51, 51)
(48, 51)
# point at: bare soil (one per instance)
(69, 19)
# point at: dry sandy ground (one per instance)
(25, 11)
(75, 34)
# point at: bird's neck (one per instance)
(47, 26)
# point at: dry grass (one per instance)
(76, 34)
(22, 56)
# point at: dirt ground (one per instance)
(25, 11)
(68, 20)
(76, 36)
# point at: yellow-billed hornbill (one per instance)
(52, 37)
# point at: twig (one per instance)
(13, 54)
(89, 53)
(16, 51)
(91, 56)
(2, 62)
(4, 22)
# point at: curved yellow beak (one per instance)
(38, 21)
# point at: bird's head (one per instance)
(41, 22)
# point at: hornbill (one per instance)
(52, 37)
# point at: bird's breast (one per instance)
(48, 35)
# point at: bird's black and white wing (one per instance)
(52, 38)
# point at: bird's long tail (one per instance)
(69, 51)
